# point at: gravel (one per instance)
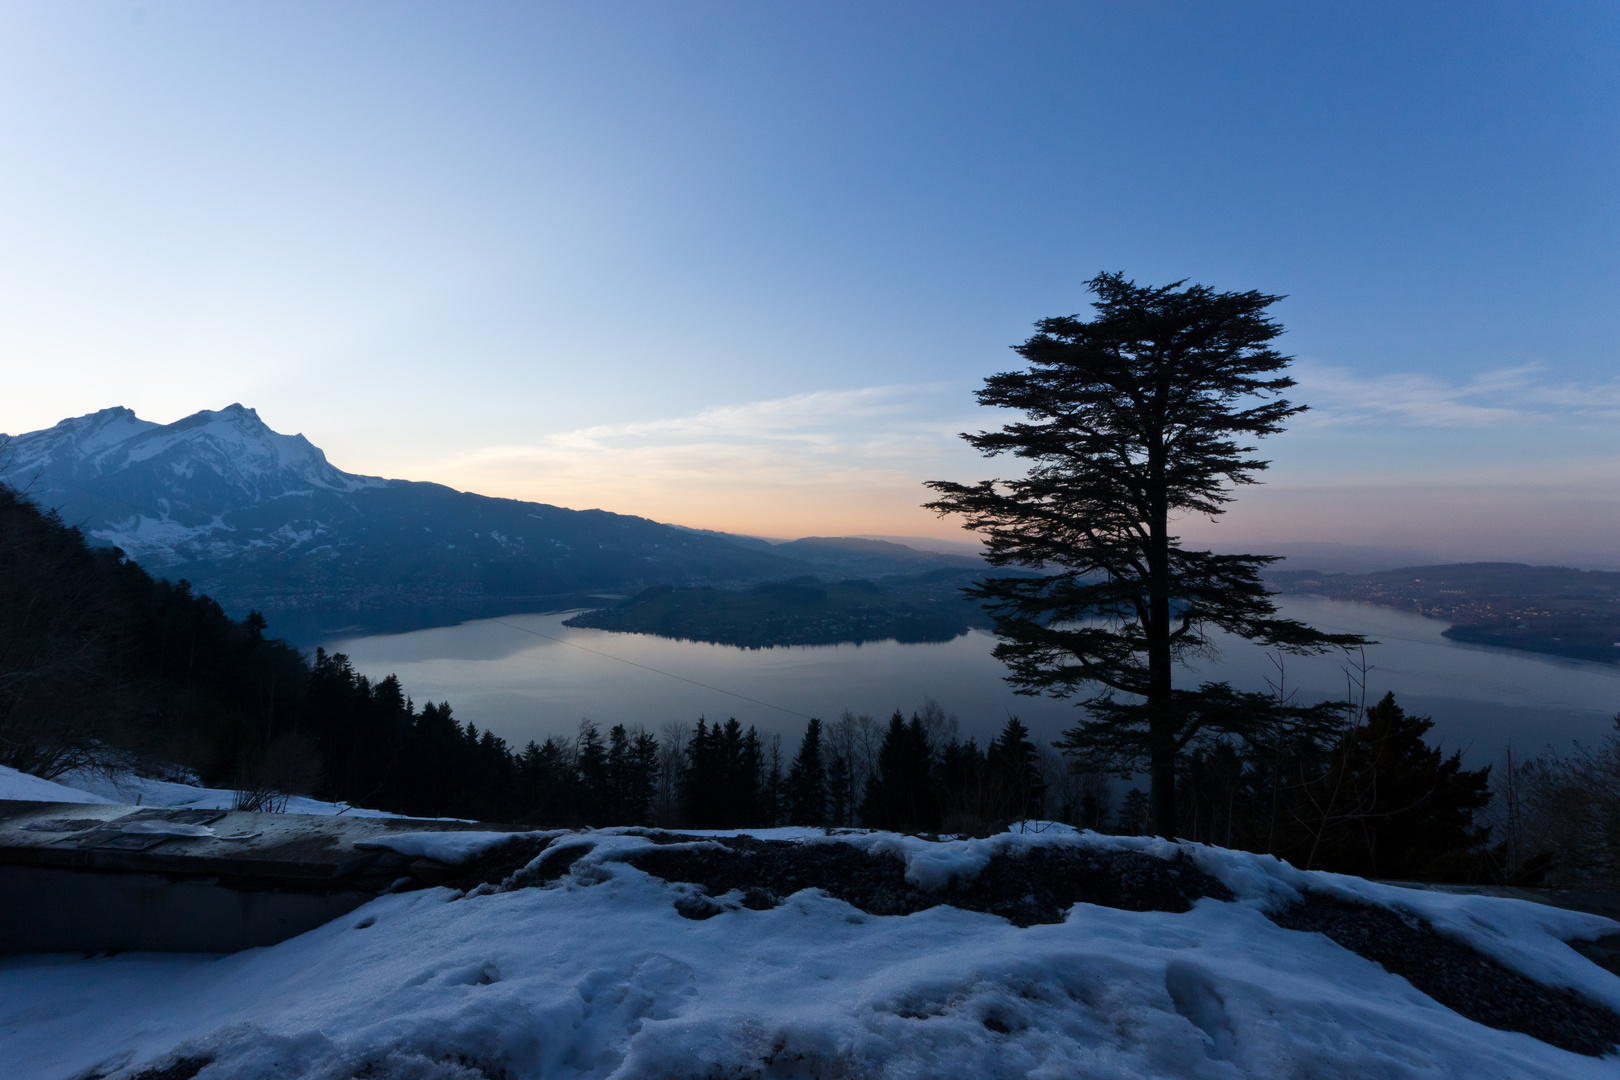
(1456, 975)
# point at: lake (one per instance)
(528, 676)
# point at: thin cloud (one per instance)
(1497, 398)
(853, 460)
(872, 428)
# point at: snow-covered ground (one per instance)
(20, 785)
(126, 788)
(598, 976)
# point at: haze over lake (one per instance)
(527, 676)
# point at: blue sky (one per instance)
(742, 265)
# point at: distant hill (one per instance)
(858, 557)
(1334, 558)
(804, 611)
(970, 548)
(258, 519)
(1548, 609)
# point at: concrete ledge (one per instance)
(86, 877)
(47, 909)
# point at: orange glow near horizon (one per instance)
(839, 505)
(1451, 520)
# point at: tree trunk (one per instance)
(1163, 772)
(1162, 724)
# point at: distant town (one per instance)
(1545, 609)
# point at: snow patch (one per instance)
(21, 786)
(165, 828)
(454, 848)
(1527, 937)
(126, 788)
(599, 976)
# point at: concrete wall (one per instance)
(48, 909)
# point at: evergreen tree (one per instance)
(1215, 795)
(962, 772)
(1390, 805)
(807, 780)
(700, 784)
(1133, 419)
(98, 655)
(721, 788)
(359, 728)
(489, 777)
(643, 777)
(754, 787)
(595, 796)
(900, 794)
(619, 781)
(434, 747)
(738, 777)
(1133, 813)
(632, 764)
(1015, 774)
(548, 780)
(773, 794)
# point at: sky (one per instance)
(742, 265)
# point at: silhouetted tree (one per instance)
(1015, 774)
(1215, 797)
(900, 794)
(965, 801)
(1568, 816)
(632, 774)
(721, 789)
(807, 780)
(771, 805)
(840, 805)
(1133, 813)
(549, 782)
(1133, 419)
(700, 784)
(596, 797)
(671, 771)
(850, 751)
(1390, 805)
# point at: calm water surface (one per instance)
(527, 676)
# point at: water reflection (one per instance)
(528, 676)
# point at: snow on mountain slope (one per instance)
(232, 442)
(599, 975)
(258, 519)
(242, 449)
(163, 492)
(73, 440)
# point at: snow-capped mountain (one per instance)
(260, 519)
(164, 492)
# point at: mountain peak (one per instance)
(77, 436)
(235, 414)
(234, 445)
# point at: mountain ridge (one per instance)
(259, 519)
